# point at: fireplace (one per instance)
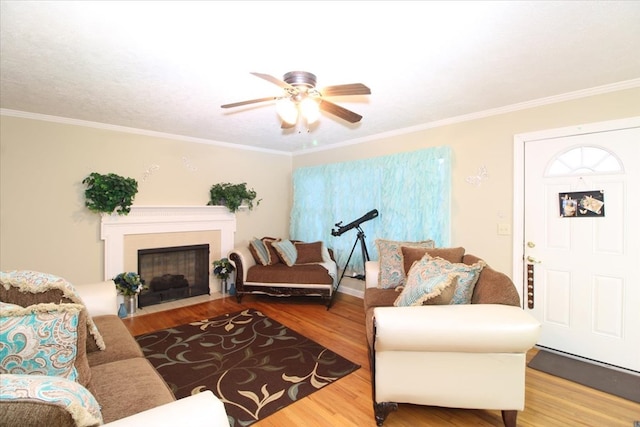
(152, 227)
(173, 273)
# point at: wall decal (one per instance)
(477, 179)
(187, 164)
(150, 170)
(581, 204)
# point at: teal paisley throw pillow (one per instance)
(467, 276)
(392, 272)
(62, 392)
(40, 339)
(422, 287)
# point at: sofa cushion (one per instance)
(422, 285)
(27, 287)
(392, 271)
(120, 343)
(286, 251)
(297, 274)
(412, 254)
(126, 387)
(467, 276)
(27, 400)
(44, 339)
(309, 253)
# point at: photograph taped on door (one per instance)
(581, 204)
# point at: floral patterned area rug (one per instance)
(254, 364)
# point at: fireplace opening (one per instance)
(173, 273)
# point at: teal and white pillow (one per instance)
(48, 390)
(40, 339)
(392, 272)
(37, 283)
(286, 251)
(423, 287)
(467, 276)
(259, 251)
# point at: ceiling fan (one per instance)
(301, 98)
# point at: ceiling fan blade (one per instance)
(339, 111)
(286, 125)
(251, 101)
(274, 80)
(348, 89)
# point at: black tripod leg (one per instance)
(344, 270)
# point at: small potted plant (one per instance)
(109, 193)
(130, 284)
(232, 196)
(222, 269)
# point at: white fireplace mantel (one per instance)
(162, 219)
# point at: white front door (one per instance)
(581, 267)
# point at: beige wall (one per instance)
(477, 210)
(44, 225)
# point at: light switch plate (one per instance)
(504, 229)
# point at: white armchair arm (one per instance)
(372, 270)
(467, 328)
(100, 298)
(246, 259)
(199, 410)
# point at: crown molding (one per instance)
(584, 93)
(136, 131)
(599, 90)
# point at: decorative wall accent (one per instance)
(477, 179)
(150, 171)
(186, 162)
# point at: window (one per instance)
(584, 160)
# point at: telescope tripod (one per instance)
(365, 256)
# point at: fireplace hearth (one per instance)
(173, 273)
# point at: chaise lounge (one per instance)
(306, 270)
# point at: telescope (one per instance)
(353, 224)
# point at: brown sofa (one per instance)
(120, 378)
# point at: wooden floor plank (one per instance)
(550, 401)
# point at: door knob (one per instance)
(533, 260)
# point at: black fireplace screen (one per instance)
(173, 273)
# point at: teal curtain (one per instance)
(411, 192)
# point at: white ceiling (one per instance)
(168, 66)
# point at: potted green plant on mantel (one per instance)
(232, 196)
(109, 193)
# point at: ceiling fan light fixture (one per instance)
(310, 109)
(287, 109)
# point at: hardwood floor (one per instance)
(550, 401)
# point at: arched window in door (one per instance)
(584, 160)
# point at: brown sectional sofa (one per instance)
(122, 380)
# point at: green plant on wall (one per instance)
(109, 193)
(232, 196)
